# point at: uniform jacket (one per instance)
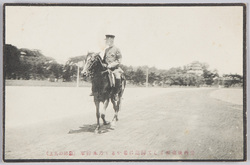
(112, 57)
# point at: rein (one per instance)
(99, 59)
(107, 70)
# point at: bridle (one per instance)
(95, 59)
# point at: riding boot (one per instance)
(117, 88)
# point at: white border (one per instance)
(126, 1)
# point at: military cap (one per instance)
(109, 36)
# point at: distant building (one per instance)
(195, 68)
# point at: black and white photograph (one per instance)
(115, 82)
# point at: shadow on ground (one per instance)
(91, 128)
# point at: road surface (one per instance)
(154, 123)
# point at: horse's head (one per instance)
(91, 61)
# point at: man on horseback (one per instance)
(112, 59)
(107, 79)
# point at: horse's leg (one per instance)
(113, 123)
(97, 104)
(115, 103)
(103, 107)
(119, 102)
(117, 106)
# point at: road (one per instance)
(154, 123)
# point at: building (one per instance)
(195, 68)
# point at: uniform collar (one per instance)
(110, 46)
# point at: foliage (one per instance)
(229, 80)
(139, 78)
(32, 64)
(29, 64)
(71, 67)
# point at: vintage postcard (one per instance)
(116, 82)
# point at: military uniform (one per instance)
(112, 58)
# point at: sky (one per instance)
(163, 37)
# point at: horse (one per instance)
(102, 89)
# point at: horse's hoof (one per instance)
(97, 130)
(112, 125)
(106, 123)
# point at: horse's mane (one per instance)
(99, 57)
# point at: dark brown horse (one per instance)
(101, 88)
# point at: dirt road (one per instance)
(154, 123)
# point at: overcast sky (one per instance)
(163, 37)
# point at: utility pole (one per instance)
(147, 78)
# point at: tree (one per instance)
(209, 76)
(28, 64)
(12, 62)
(232, 80)
(152, 77)
(139, 77)
(69, 70)
(128, 71)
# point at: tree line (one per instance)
(29, 64)
(181, 76)
(33, 65)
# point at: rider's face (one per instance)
(109, 41)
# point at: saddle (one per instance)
(111, 76)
